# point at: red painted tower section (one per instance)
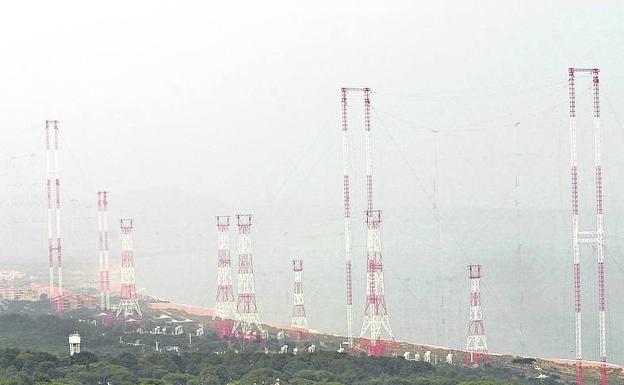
(53, 186)
(476, 345)
(128, 308)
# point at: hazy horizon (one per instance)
(187, 110)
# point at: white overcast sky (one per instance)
(243, 96)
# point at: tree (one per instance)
(85, 358)
(261, 376)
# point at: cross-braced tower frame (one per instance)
(376, 315)
(129, 300)
(476, 345)
(299, 319)
(53, 187)
(103, 250)
(246, 309)
(225, 307)
(592, 237)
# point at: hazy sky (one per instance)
(243, 96)
(237, 104)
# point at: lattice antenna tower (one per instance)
(593, 237)
(129, 300)
(246, 310)
(299, 319)
(476, 345)
(375, 294)
(103, 250)
(225, 307)
(376, 314)
(53, 187)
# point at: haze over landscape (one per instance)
(187, 112)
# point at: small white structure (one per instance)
(200, 330)
(295, 351)
(417, 357)
(427, 356)
(178, 330)
(283, 349)
(449, 358)
(406, 355)
(74, 344)
(312, 348)
(280, 336)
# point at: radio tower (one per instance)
(246, 309)
(477, 343)
(225, 307)
(347, 215)
(299, 319)
(376, 314)
(594, 238)
(103, 250)
(129, 300)
(53, 182)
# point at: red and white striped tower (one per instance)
(225, 306)
(476, 345)
(592, 237)
(376, 314)
(53, 182)
(128, 307)
(299, 319)
(103, 250)
(246, 310)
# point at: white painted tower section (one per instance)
(225, 305)
(299, 318)
(53, 189)
(247, 311)
(129, 301)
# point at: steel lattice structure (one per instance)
(376, 314)
(225, 306)
(103, 250)
(129, 300)
(476, 344)
(53, 182)
(299, 319)
(246, 309)
(592, 237)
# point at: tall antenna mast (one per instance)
(376, 315)
(594, 238)
(129, 299)
(299, 319)
(442, 329)
(347, 215)
(476, 345)
(53, 182)
(103, 250)
(519, 257)
(246, 310)
(225, 307)
(436, 203)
